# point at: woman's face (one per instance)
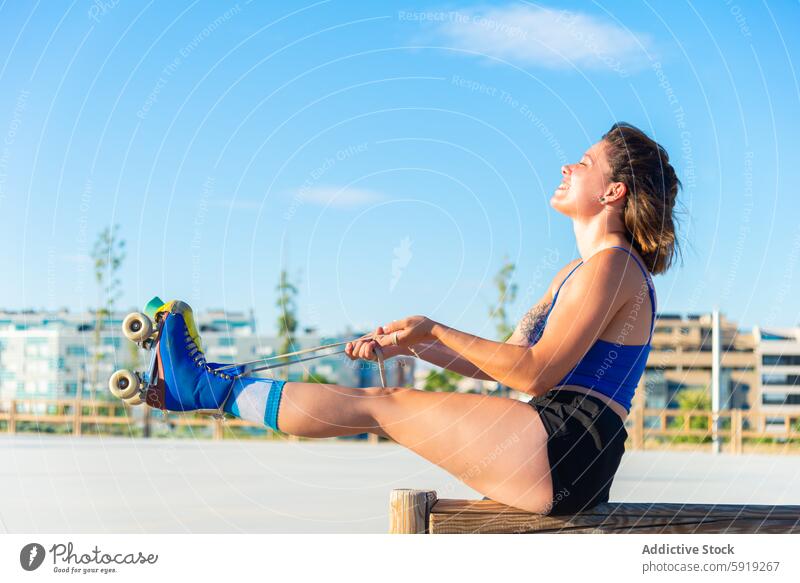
(583, 183)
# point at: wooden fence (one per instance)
(24, 415)
(735, 426)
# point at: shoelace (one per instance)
(200, 361)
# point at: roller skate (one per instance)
(177, 378)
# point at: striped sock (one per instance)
(256, 400)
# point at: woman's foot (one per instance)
(184, 381)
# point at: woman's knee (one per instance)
(382, 403)
(378, 392)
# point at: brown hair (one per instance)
(643, 166)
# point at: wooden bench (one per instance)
(421, 512)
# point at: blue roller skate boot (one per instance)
(185, 381)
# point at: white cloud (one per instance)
(550, 38)
(326, 195)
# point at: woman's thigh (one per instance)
(495, 445)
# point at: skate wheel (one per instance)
(123, 384)
(137, 327)
(135, 400)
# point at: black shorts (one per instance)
(586, 440)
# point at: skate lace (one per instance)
(200, 362)
(200, 359)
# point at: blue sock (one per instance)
(257, 400)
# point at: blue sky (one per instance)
(389, 154)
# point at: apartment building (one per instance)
(681, 358)
(778, 365)
(52, 354)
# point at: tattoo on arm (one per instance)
(532, 323)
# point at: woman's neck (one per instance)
(593, 236)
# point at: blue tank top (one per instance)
(609, 368)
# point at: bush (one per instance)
(442, 381)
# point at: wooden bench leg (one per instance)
(409, 511)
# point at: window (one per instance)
(773, 398)
(663, 330)
(780, 379)
(226, 341)
(76, 350)
(780, 399)
(769, 336)
(37, 348)
(781, 359)
(115, 342)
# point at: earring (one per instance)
(602, 199)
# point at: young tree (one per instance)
(697, 399)
(108, 254)
(507, 293)
(287, 312)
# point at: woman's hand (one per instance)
(365, 349)
(409, 331)
(394, 339)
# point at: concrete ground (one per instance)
(57, 484)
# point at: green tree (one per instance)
(506, 294)
(442, 381)
(287, 312)
(108, 254)
(692, 400)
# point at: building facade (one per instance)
(56, 355)
(681, 358)
(778, 362)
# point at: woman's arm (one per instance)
(595, 296)
(429, 350)
(509, 364)
(440, 355)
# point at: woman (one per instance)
(579, 352)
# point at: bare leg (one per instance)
(495, 445)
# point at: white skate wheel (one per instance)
(123, 384)
(137, 327)
(137, 399)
